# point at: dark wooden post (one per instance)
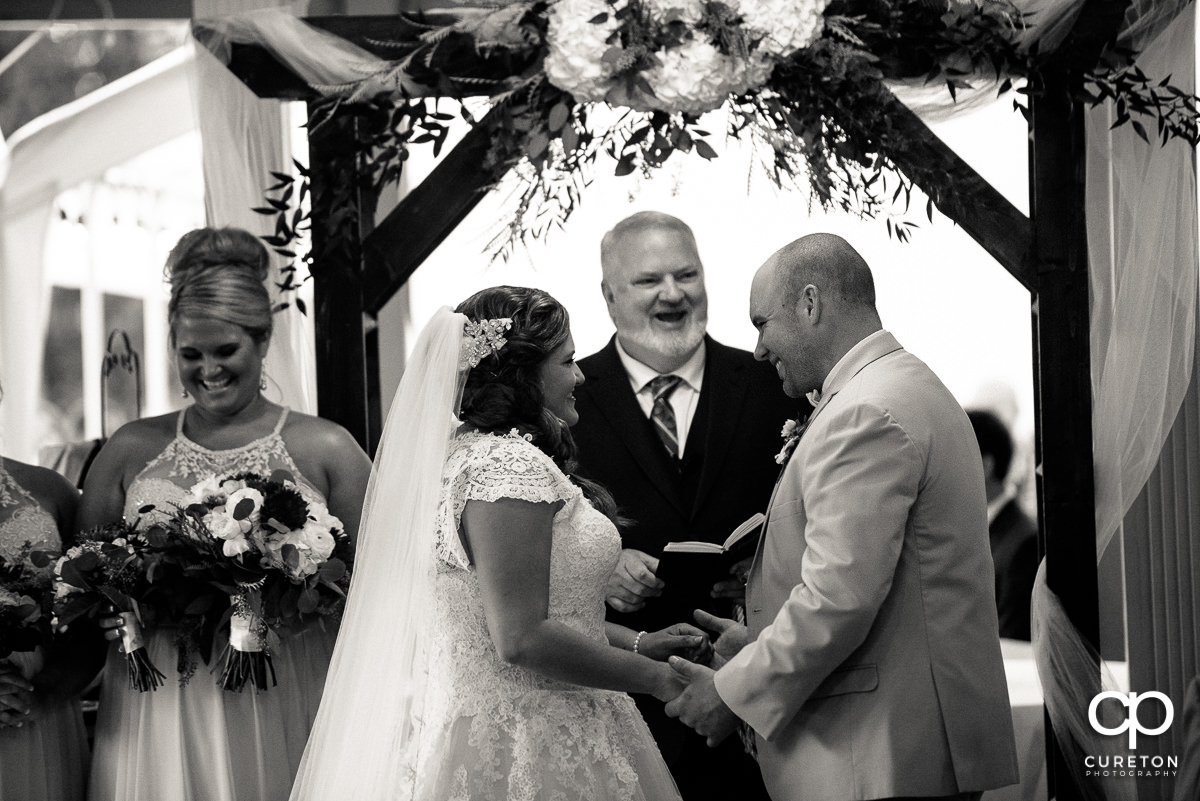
(1062, 360)
(346, 340)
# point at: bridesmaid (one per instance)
(199, 742)
(43, 745)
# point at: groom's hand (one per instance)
(699, 706)
(731, 636)
(633, 581)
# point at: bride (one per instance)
(474, 661)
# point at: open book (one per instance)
(690, 569)
(751, 526)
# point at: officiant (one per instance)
(683, 431)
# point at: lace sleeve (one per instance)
(510, 467)
(487, 467)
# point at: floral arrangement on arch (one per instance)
(804, 81)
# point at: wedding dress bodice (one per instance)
(585, 547)
(166, 480)
(492, 729)
(22, 519)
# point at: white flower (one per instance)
(692, 77)
(236, 545)
(245, 494)
(784, 25)
(206, 491)
(791, 432)
(575, 61)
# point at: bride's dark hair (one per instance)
(504, 391)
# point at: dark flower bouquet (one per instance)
(26, 591)
(107, 567)
(282, 559)
(243, 555)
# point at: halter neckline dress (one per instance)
(199, 742)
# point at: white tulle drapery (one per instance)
(1141, 207)
(245, 138)
(361, 743)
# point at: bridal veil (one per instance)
(363, 743)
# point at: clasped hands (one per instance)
(698, 705)
(696, 702)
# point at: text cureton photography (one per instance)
(1120, 765)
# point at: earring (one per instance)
(262, 376)
(262, 383)
(183, 393)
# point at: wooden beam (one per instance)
(974, 204)
(1062, 341)
(389, 38)
(37, 12)
(346, 355)
(425, 217)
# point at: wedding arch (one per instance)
(358, 264)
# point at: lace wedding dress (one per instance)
(45, 760)
(200, 742)
(492, 730)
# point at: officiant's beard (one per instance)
(668, 344)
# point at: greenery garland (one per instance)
(803, 80)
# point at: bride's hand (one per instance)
(682, 639)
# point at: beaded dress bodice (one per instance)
(22, 519)
(167, 478)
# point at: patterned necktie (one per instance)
(662, 415)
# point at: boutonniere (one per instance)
(792, 430)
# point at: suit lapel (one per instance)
(608, 385)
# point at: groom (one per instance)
(873, 667)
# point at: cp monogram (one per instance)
(1131, 720)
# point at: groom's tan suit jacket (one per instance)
(875, 669)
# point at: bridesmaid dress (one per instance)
(46, 759)
(200, 742)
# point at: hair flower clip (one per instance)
(482, 339)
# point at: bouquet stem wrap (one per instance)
(143, 675)
(246, 658)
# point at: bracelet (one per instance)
(637, 640)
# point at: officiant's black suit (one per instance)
(726, 474)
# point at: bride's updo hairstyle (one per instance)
(504, 391)
(218, 274)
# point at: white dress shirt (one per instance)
(683, 400)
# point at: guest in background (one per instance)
(1012, 532)
(200, 742)
(43, 745)
(683, 431)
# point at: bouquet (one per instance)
(25, 595)
(283, 560)
(108, 566)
